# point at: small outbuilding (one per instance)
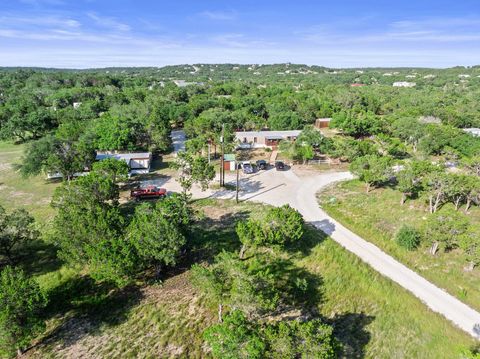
(229, 162)
(322, 122)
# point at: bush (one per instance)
(408, 238)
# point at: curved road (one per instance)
(279, 188)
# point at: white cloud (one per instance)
(40, 21)
(109, 22)
(428, 31)
(218, 15)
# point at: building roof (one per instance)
(124, 156)
(268, 134)
(326, 119)
(229, 157)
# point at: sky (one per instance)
(342, 33)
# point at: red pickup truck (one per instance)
(148, 192)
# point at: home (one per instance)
(322, 122)
(404, 84)
(264, 139)
(138, 162)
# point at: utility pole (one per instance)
(238, 184)
(209, 146)
(222, 170)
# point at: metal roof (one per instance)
(269, 134)
(124, 156)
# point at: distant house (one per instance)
(183, 83)
(404, 84)
(322, 122)
(138, 162)
(356, 84)
(264, 139)
(473, 131)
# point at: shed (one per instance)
(229, 162)
(322, 122)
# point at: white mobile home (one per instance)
(264, 139)
(138, 162)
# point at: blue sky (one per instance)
(354, 33)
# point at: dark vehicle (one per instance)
(247, 168)
(262, 164)
(279, 165)
(148, 192)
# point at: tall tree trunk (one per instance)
(242, 251)
(457, 203)
(430, 204)
(220, 312)
(467, 205)
(367, 187)
(403, 199)
(434, 248)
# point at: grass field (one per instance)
(378, 215)
(32, 193)
(372, 316)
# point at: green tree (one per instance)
(357, 124)
(88, 228)
(16, 229)
(117, 170)
(235, 338)
(472, 164)
(156, 239)
(193, 169)
(470, 244)
(445, 229)
(295, 339)
(238, 284)
(435, 186)
(410, 179)
(372, 170)
(410, 130)
(21, 303)
(279, 226)
(54, 155)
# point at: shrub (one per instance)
(408, 238)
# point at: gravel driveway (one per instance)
(299, 191)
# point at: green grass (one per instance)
(378, 215)
(33, 193)
(372, 316)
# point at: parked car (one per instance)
(279, 165)
(247, 167)
(148, 192)
(262, 164)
